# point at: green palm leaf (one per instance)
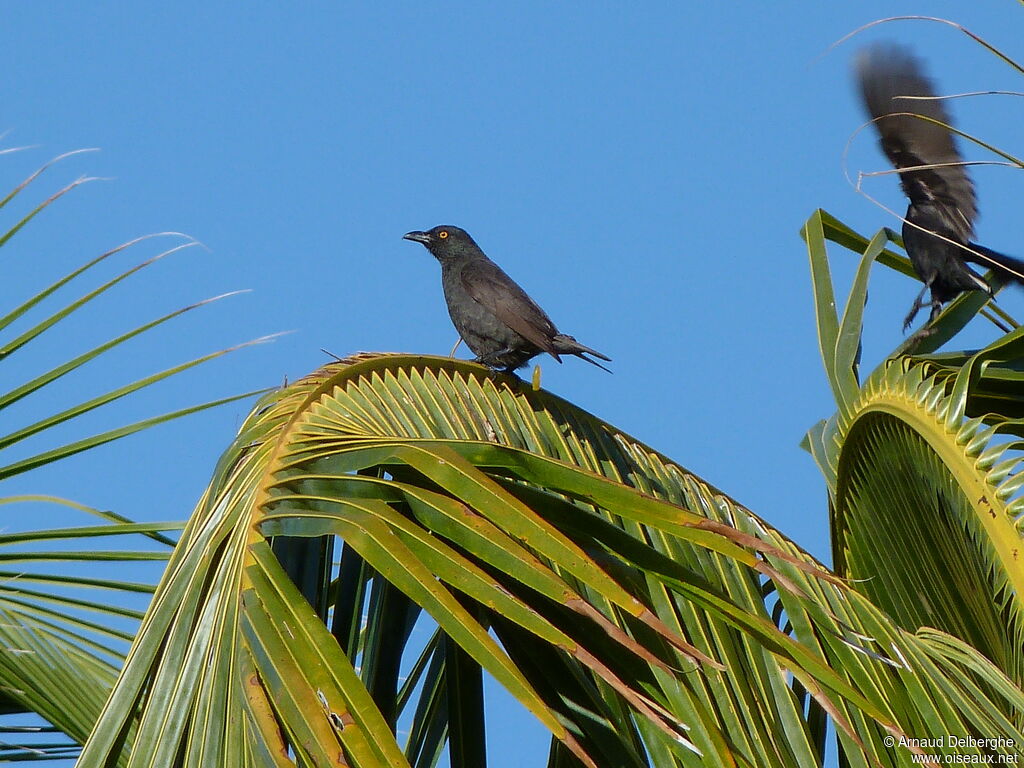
(923, 470)
(633, 609)
(64, 630)
(387, 532)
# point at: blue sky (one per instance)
(643, 172)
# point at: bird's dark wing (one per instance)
(490, 287)
(887, 73)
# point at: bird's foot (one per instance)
(491, 361)
(918, 305)
(928, 328)
(506, 360)
(494, 362)
(909, 319)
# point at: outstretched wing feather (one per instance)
(895, 91)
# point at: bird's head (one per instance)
(445, 241)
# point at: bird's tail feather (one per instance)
(567, 345)
(583, 356)
(1008, 266)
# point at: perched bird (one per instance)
(940, 219)
(501, 324)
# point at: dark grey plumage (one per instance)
(501, 324)
(942, 200)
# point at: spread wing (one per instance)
(490, 287)
(887, 73)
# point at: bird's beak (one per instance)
(419, 237)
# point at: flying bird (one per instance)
(501, 324)
(939, 225)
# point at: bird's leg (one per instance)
(914, 309)
(927, 329)
(919, 304)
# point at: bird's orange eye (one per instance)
(443, 234)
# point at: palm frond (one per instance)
(643, 617)
(923, 467)
(66, 618)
